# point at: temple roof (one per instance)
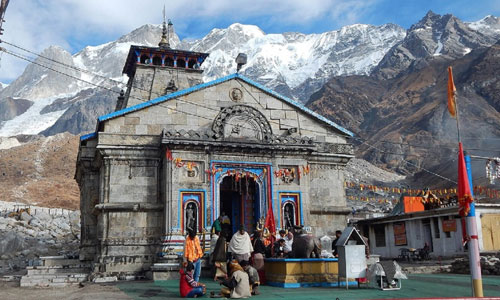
(198, 87)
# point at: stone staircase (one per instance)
(56, 271)
(167, 268)
(169, 265)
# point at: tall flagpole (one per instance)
(473, 243)
(471, 225)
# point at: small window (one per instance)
(379, 235)
(437, 234)
(145, 59)
(157, 61)
(169, 62)
(191, 63)
(181, 63)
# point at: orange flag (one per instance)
(452, 92)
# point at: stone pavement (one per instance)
(417, 286)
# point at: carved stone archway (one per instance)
(242, 122)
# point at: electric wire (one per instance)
(62, 63)
(100, 76)
(99, 86)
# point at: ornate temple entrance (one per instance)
(239, 200)
(241, 192)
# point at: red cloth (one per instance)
(464, 192)
(184, 287)
(270, 224)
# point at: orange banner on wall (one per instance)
(413, 204)
(449, 225)
(399, 234)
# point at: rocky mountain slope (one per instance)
(402, 114)
(40, 172)
(436, 35)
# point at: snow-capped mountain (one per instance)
(286, 61)
(293, 64)
(38, 82)
(436, 35)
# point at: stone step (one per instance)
(53, 280)
(50, 261)
(51, 270)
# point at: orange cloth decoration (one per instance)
(452, 93)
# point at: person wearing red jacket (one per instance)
(188, 287)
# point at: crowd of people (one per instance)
(237, 260)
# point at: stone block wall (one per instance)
(151, 82)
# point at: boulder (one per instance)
(26, 217)
(10, 243)
(43, 216)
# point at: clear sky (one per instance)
(74, 24)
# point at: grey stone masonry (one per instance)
(150, 173)
(56, 272)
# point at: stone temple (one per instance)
(177, 153)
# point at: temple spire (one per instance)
(164, 43)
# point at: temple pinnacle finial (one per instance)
(164, 43)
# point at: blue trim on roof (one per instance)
(165, 98)
(215, 82)
(88, 136)
(294, 103)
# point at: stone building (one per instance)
(177, 153)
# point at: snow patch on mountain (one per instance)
(439, 45)
(9, 142)
(489, 24)
(32, 121)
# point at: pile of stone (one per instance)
(27, 234)
(490, 265)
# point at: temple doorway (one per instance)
(239, 201)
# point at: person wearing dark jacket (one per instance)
(335, 253)
(259, 251)
(218, 258)
(279, 248)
